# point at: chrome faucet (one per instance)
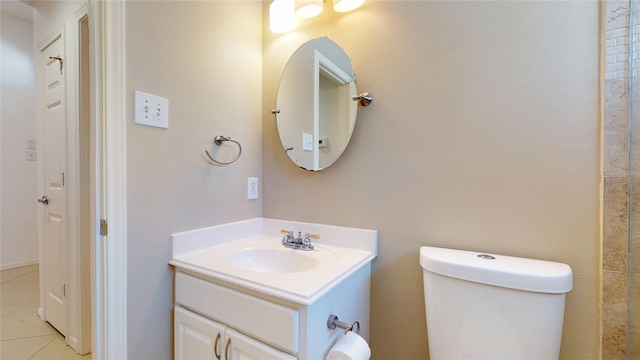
(298, 243)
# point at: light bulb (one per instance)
(308, 8)
(346, 5)
(282, 16)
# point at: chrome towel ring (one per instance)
(218, 140)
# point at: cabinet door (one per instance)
(242, 347)
(196, 337)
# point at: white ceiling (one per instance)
(17, 9)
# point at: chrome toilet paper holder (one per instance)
(333, 323)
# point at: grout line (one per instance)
(21, 306)
(11, 312)
(36, 268)
(55, 335)
(43, 347)
(34, 337)
(53, 338)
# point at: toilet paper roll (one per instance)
(350, 346)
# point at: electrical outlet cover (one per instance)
(252, 188)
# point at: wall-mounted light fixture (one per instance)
(282, 13)
(346, 5)
(308, 8)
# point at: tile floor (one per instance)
(23, 335)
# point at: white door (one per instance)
(242, 347)
(196, 337)
(54, 197)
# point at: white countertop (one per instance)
(339, 252)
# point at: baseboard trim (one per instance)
(19, 264)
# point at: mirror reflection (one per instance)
(316, 111)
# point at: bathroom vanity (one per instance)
(239, 293)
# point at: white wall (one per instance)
(18, 214)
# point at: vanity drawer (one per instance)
(271, 323)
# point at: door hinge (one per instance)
(103, 227)
(64, 290)
(63, 179)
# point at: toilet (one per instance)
(486, 306)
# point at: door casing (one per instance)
(107, 180)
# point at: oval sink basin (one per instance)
(272, 260)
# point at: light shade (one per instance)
(282, 16)
(308, 8)
(346, 5)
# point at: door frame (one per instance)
(108, 108)
(108, 254)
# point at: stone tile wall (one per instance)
(621, 217)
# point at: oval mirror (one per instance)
(316, 112)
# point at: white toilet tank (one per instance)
(482, 306)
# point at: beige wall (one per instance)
(19, 188)
(205, 57)
(483, 135)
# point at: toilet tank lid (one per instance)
(498, 270)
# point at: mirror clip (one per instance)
(365, 99)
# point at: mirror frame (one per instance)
(316, 109)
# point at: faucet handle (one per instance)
(312, 236)
(286, 232)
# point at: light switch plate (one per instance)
(32, 155)
(151, 110)
(307, 142)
